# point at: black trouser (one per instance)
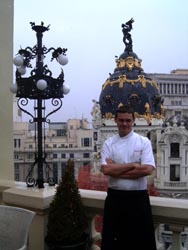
(127, 221)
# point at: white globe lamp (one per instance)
(41, 84)
(62, 59)
(18, 60)
(22, 70)
(66, 89)
(13, 88)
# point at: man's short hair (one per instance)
(125, 109)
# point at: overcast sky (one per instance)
(91, 30)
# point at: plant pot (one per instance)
(83, 244)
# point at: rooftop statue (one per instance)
(127, 39)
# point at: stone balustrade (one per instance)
(166, 211)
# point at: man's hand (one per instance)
(109, 161)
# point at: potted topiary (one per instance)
(67, 221)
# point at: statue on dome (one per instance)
(96, 111)
(96, 114)
(127, 39)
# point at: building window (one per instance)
(86, 155)
(61, 132)
(164, 88)
(30, 156)
(54, 145)
(174, 172)
(186, 88)
(175, 88)
(16, 156)
(54, 156)
(30, 146)
(72, 155)
(172, 89)
(179, 89)
(174, 150)
(17, 143)
(86, 142)
(160, 87)
(183, 88)
(95, 136)
(168, 88)
(63, 156)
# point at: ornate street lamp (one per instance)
(39, 86)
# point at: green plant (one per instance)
(67, 219)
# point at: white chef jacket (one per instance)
(130, 148)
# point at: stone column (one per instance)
(6, 97)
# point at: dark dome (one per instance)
(129, 85)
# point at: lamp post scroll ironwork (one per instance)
(39, 86)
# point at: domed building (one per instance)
(130, 85)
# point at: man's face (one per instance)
(124, 123)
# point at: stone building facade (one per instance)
(63, 140)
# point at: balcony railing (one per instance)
(175, 184)
(170, 215)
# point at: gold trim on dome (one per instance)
(162, 110)
(108, 115)
(129, 62)
(120, 105)
(147, 108)
(123, 79)
(147, 116)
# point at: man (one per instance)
(127, 159)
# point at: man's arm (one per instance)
(115, 169)
(138, 171)
(128, 171)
